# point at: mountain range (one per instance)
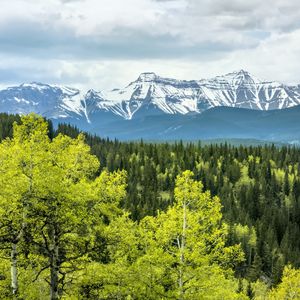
(235, 105)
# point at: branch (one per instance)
(45, 239)
(39, 273)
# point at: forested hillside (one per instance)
(166, 236)
(259, 188)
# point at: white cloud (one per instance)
(106, 43)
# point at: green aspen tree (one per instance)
(183, 250)
(60, 200)
(289, 288)
(17, 164)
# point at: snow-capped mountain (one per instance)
(240, 89)
(51, 101)
(150, 94)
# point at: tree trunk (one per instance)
(14, 270)
(54, 271)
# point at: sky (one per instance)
(105, 44)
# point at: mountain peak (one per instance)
(92, 92)
(245, 75)
(35, 85)
(242, 72)
(242, 77)
(239, 73)
(147, 76)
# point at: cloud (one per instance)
(96, 42)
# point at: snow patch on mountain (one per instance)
(150, 93)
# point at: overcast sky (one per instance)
(103, 44)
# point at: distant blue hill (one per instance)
(216, 123)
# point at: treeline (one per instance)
(259, 188)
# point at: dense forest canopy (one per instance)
(75, 224)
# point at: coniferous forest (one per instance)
(82, 217)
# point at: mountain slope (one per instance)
(150, 95)
(240, 89)
(154, 94)
(216, 123)
(50, 101)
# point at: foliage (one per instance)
(52, 203)
(44, 174)
(178, 254)
(289, 288)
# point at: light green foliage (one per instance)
(260, 290)
(4, 276)
(51, 198)
(289, 288)
(14, 185)
(119, 277)
(247, 237)
(179, 254)
(185, 247)
(244, 180)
